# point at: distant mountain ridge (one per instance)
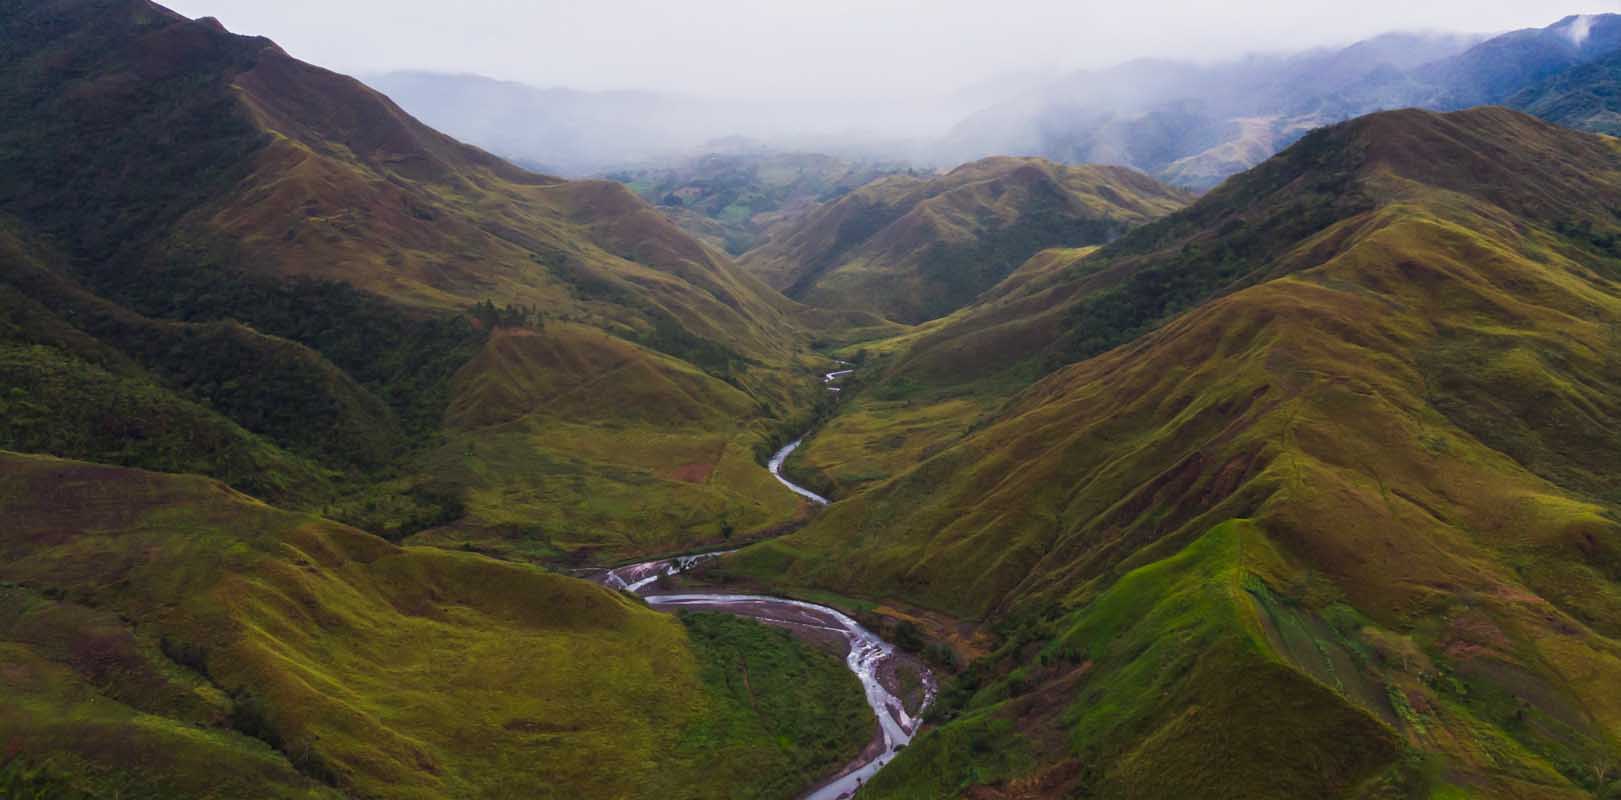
(1195, 126)
(731, 199)
(913, 248)
(1586, 97)
(1189, 124)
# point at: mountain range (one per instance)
(912, 249)
(1303, 490)
(314, 420)
(1190, 124)
(1196, 125)
(262, 299)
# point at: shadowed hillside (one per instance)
(1587, 98)
(913, 249)
(1338, 516)
(276, 251)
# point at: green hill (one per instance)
(1338, 515)
(913, 249)
(164, 636)
(300, 293)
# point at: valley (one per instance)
(1266, 446)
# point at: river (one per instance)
(872, 659)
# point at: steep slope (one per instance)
(1281, 217)
(1496, 69)
(287, 247)
(90, 379)
(1586, 98)
(164, 636)
(313, 174)
(1358, 447)
(914, 249)
(568, 443)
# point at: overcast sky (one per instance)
(824, 47)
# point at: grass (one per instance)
(912, 250)
(1309, 489)
(549, 469)
(313, 273)
(873, 440)
(55, 403)
(177, 639)
(1414, 408)
(947, 761)
(1180, 695)
(781, 693)
(1190, 697)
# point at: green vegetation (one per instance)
(1312, 488)
(55, 403)
(976, 751)
(1586, 97)
(781, 692)
(733, 201)
(1413, 407)
(186, 641)
(913, 249)
(569, 442)
(299, 295)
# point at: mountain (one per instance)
(1496, 69)
(1195, 125)
(1587, 97)
(1317, 496)
(277, 260)
(914, 248)
(165, 636)
(1191, 124)
(731, 199)
(267, 338)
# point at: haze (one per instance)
(829, 48)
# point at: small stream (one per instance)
(868, 656)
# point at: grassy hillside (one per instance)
(913, 249)
(315, 268)
(1397, 414)
(291, 169)
(568, 442)
(1290, 213)
(164, 636)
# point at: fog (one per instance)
(841, 48)
(581, 87)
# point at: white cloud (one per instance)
(823, 47)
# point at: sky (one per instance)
(825, 48)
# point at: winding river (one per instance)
(871, 658)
